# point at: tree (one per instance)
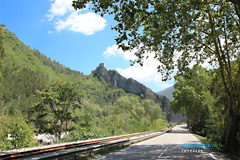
(182, 32)
(131, 105)
(190, 96)
(15, 132)
(55, 111)
(152, 109)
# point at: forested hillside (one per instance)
(38, 95)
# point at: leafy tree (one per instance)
(56, 109)
(181, 32)
(131, 105)
(21, 133)
(190, 96)
(152, 109)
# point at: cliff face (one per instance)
(132, 86)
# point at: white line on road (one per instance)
(212, 155)
(125, 149)
(101, 158)
(160, 155)
(167, 146)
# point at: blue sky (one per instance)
(79, 39)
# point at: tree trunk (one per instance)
(59, 136)
(230, 141)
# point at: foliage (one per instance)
(18, 130)
(56, 110)
(132, 106)
(129, 115)
(168, 26)
(200, 95)
(192, 94)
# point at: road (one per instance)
(167, 146)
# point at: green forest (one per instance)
(40, 96)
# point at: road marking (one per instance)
(125, 149)
(167, 146)
(212, 155)
(160, 155)
(101, 158)
(195, 138)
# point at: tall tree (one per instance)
(190, 96)
(55, 111)
(181, 32)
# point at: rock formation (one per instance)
(132, 86)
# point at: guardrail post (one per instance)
(90, 154)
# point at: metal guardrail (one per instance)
(71, 150)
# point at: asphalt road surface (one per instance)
(167, 146)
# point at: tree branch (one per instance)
(217, 53)
(205, 45)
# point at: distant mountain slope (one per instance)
(167, 92)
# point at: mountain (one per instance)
(132, 86)
(129, 85)
(168, 92)
(25, 70)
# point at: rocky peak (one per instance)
(129, 85)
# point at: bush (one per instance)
(15, 132)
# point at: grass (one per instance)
(203, 139)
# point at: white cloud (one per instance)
(146, 73)
(65, 17)
(59, 8)
(87, 23)
(50, 32)
(164, 85)
(114, 51)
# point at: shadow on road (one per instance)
(179, 131)
(183, 126)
